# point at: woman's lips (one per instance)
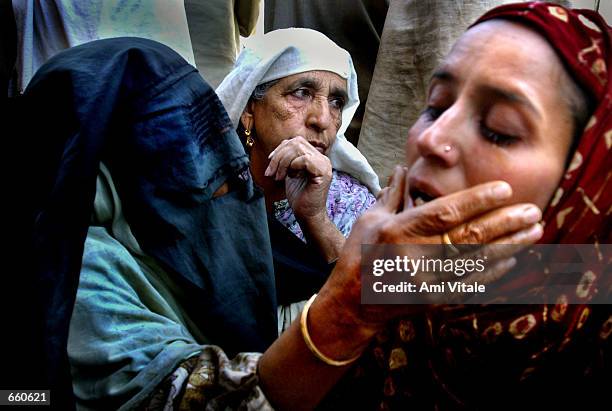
(320, 147)
(422, 192)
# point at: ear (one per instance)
(247, 118)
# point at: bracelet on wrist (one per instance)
(310, 344)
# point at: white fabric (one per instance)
(281, 53)
(50, 26)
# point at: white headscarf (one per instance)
(281, 53)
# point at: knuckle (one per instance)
(446, 215)
(472, 234)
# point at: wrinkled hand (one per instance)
(480, 214)
(307, 174)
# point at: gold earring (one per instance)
(249, 140)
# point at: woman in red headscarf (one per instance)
(524, 96)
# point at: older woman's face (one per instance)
(307, 104)
(496, 110)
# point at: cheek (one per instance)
(337, 122)
(535, 184)
(533, 178)
(287, 118)
(275, 122)
(283, 112)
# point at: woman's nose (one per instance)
(441, 141)
(319, 115)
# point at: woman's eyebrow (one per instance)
(315, 84)
(308, 82)
(442, 74)
(504, 94)
(513, 97)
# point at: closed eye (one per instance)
(496, 138)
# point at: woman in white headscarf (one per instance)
(292, 95)
(285, 52)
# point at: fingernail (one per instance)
(271, 154)
(502, 190)
(535, 232)
(267, 173)
(531, 214)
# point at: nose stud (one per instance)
(447, 148)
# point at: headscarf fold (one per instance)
(284, 52)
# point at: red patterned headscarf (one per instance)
(581, 209)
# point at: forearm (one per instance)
(291, 376)
(323, 234)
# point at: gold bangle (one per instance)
(314, 350)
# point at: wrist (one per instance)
(313, 221)
(322, 234)
(335, 328)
